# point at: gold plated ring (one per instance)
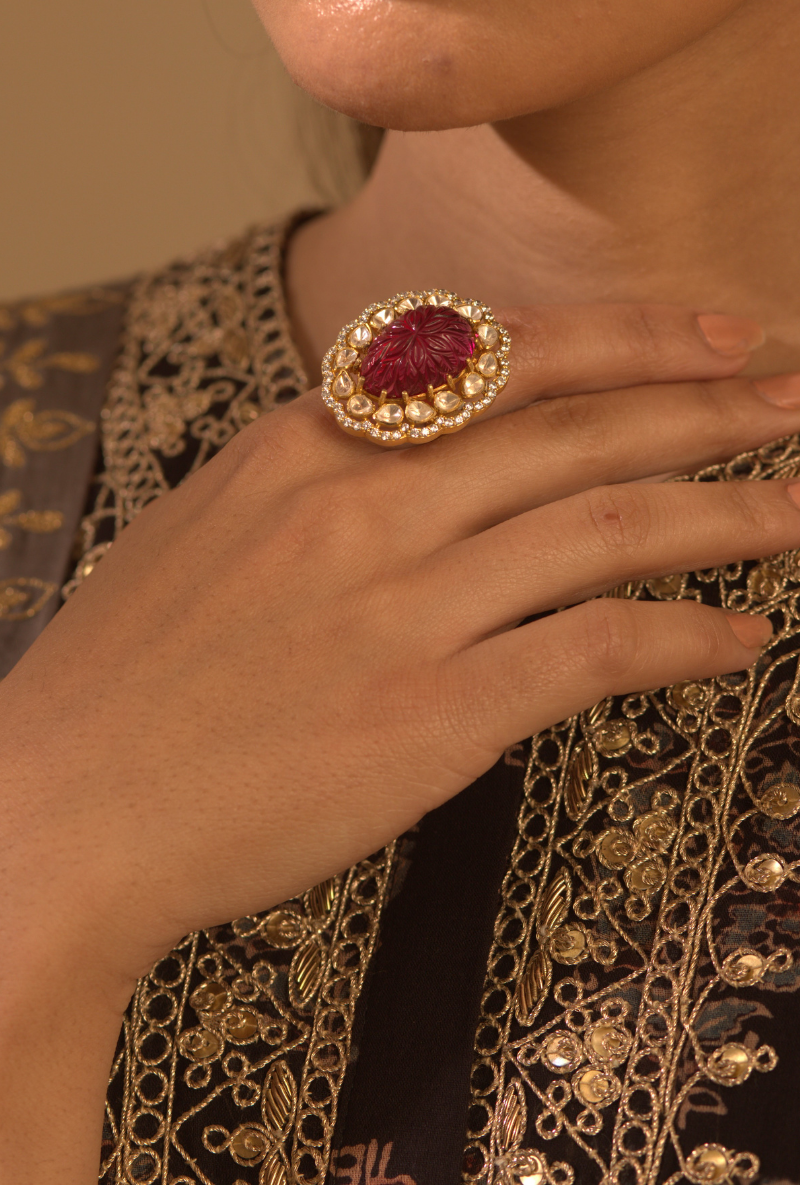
(416, 366)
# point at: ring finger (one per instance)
(569, 551)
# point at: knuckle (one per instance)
(326, 516)
(620, 517)
(579, 417)
(648, 333)
(273, 442)
(610, 644)
(713, 397)
(532, 329)
(749, 508)
(706, 636)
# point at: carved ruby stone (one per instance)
(418, 350)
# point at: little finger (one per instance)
(515, 684)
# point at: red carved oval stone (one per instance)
(418, 350)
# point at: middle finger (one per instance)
(554, 449)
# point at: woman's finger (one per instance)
(557, 350)
(567, 349)
(568, 551)
(557, 448)
(517, 683)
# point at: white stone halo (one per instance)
(420, 416)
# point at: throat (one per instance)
(682, 186)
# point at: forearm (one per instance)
(59, 1021)
(61, 995)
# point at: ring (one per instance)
(414, 367)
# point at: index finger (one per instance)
(556, 350)
(578, 349)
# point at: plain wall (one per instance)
(135, 130)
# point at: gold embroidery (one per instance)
(40, 522)
(28, 362)
(21, 428)
(251, 1022)
(206, 351)
(236, 1056)
(38, 312)
(620, 933)
(22, 597)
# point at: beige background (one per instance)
(134, 130)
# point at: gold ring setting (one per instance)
(414, 367)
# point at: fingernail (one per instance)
(783, 390)
(731, 335)
(794, 492)
(753, 632)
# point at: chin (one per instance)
(430, 65)
(397, 64)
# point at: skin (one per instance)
(173, 739)
(676, 182)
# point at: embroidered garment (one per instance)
(584, 968)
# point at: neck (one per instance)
(681, 184)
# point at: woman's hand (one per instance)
(287, 661)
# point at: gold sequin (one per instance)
(563, 1052)
(249, 1144)
(209, 997)
(765, 581)
(532, 1170)
(689, 697)
(781, 801)
(597, 1087)
(609, 1043)
(765, 873)
(616, 848)
(709, 1164)
(568, 944)
(743, 967)
(731, 1063)
(665, 587)
(241, 1025)
(614, 738)
(200, 1045)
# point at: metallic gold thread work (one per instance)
(656, 814)
(23, 429)
(235, 1044)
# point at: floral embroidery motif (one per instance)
(26, 365)
(40, 522)
(651, 887)
(21, 428)
(235, 1046)
(23, 597)
(206, 351)
(38, 312)
(253, 1019)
